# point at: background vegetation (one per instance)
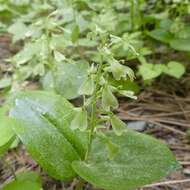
(78, 48)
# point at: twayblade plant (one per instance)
(89, 142)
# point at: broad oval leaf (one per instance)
(141, 160)
(150, 71)
(67, 79)
(161, 35)
(27, 180)
(175, 69)
(18, 29)
(5, 126)
(7, 135)
(59, 111)
(6, 146)
(5, 82)
(180, 44)
(27, 53)
(43, 121)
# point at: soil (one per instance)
(165, 107)
(6, 50)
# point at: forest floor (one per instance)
(162, 110)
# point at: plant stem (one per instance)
(94, 108)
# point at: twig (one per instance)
(173, 122)
(153, 122)
(180, 147)
(168, 183)
(10, 168)
(169, 128)
(168, 114)
(185, 163)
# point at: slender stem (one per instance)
(93, 118)
(140, 16)
(50, 58)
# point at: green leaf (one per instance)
(129, 73)
(112, 148)
(27, 53)
(180, 44)
(86, 42)
(6, 146)
(43, 121)
(75, 33)
(39, 69)
(120, 71)
(165, 24)
(87, 88)
(175, 69)
(80, 120)
(59, 42)
(43, 44)
(119, 127)
(23, 181)
(59, 57)
(141, 160)
(48, 81)
(5, 82)
(184, 32)
(124, 84)
(68, 78)
(6, 130)
(161, 35)
(150, 71)
(128, 93)
(108, 99)
(18, 29)
(60, 112)
(7, 135)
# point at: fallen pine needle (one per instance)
(168, 183)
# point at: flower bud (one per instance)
(118, 126)
(80, 120)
